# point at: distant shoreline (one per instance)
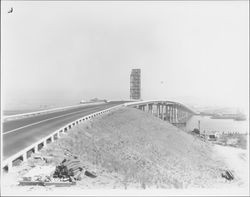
(34, 109)
(236, 117)
(219, 125)
(15, 112)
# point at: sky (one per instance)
(59, 52)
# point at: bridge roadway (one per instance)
(19, 134)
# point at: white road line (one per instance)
(7, 132)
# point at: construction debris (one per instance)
(69, 169)
(59, 184)
(227, 175)
(89, 174)
(43, 183)
(66, 173)
(28, 183)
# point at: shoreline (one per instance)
(217, 125)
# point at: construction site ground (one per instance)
(131, 149)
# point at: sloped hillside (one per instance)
(135, 149)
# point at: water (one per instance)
(219, 125)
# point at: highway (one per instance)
(21, 133)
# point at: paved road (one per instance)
(19, 134)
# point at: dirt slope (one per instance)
(129, 148)
(143, 149)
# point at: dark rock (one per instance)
(227, 175)
(89, 174)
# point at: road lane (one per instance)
(13, 124)
(44, 120)
(15, 141)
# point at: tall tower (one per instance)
(135, 84)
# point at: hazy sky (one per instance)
(61, 52)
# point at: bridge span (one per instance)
(173, 112)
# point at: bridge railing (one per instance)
(24, 154)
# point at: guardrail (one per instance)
(18, 116)
(24, 154)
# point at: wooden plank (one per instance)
(23, 183)
(60, 184)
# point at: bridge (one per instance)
(28, 133)
(173, 112)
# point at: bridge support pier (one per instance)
(170, 114)
(158, 110)
(142, 107)
(178, 113)
(166, 112)
(150, 108)
(162, 111)
(174, 113)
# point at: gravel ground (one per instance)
(130, 149)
